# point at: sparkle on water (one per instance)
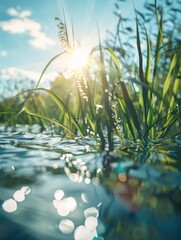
(10, 205)
(66, 226)
(87, 195)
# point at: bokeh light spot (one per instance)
(19, 196)
(58, 194)
(91, 223)
(91, 212)
(82, 233)
(9, 205)
(122, 177)
(66, 226)
(26, 190)
(84, 197)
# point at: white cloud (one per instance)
(14, 73)
(16, 26)
(14, 80)
(3, 53)
(41, 41)
(20, 23)
(13, 12)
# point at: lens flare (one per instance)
(79, 58)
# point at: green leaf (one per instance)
(48, 64)
(114, 58)
(168, 78)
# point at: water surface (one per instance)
(56, 188)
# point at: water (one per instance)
(55, 188)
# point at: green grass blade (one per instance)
(48, 64)
(16, 115)
(130, 107)
(174, 116)
(7, 112)
(114, 58)
(144, 99)
(66, 111)
(167, 82)
(106, 103)
(168, 78)
(66, 29)
(148, 59)
(60, 104)
(176, 87)
(129, 121)
(158, 43)
(129, 104)
(48, 119)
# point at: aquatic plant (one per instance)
(113, 93)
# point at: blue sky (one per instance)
(28, 31)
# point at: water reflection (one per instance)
(67, 205)
(64, 206)
(82, 233)
(89, 229)
(80, 196)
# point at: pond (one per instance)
(56, 188)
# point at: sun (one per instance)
(79, 58)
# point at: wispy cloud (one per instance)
(21, 23)
(3, 53)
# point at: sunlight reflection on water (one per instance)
(65, 206)
(86, 196)
(10, 205)
(66, 226)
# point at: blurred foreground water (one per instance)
(55, 188)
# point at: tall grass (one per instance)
(120, 96)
